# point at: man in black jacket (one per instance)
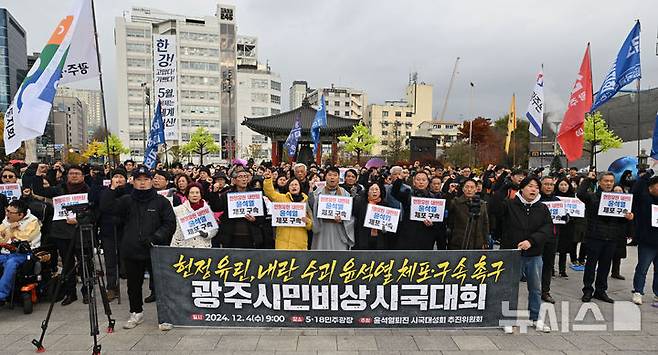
(148, 220)
(550, 247)
(601, 236)
(645, 194)
(526, 224)
(65, 231)
(245, 232)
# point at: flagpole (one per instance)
(100, 79)
(638, 119)
(541, 145)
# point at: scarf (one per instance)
(297, 197)
(196, 206)
(76, 188)
(527, 203)
(143, 195)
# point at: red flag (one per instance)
(572, 131)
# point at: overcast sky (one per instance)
(374, 45)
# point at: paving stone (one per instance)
(277, 342)
(396, 343)
(356, 342)
(196, 342)
(237, 342)
(466, 342)
(627, 342)
(157, 342)
(434, 342)
(318, 342)
(513, 342)
(552, 343)
(589, 342)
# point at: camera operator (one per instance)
(64, 232)
(148, 219)
(19, 226)
(468, 218)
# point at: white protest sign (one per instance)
(557, 211)
(60, 202)
(199, 220)
(654, 215)
(615, 204)
(268, 205)
(573, 207)
(432, 209)
(107, 182)
(330, 206)
(168, 193)
(288, 214)
(320, 184)
(241, 204)
(11, 191)
(382, 218)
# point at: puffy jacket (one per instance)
(521, 221)
(599, 227)
(145, 223)
(645, 234)
(289, 238)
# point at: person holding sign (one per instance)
(550, 247)
(242, 232)
(526, 224)
(414, 235)
(207, 229)
(64, 227)
(468, 218)
(620, 251)
(289, 238)
(336, 233)
(645, 207)
(565, 243)
(370, 238)
(601, 236)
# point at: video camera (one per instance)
(474, 206)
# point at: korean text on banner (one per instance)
(196, 221)
(432, 209)
(165, 67)
(615, 204)
(383, 218)
(11, 191)
(288, 214)
(573, 207)
(330, 206)
(60, 202)
(557, 211)
(241, 204)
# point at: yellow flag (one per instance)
(511, 123)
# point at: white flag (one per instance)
(535, 113)
(28, 113)
(81, 61)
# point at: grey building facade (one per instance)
(13, 57)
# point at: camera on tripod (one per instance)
(85, 218)
(474, 206)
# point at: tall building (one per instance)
(66, 128)
(445, 132)
(13, 57)
(204, 77)
(259, 94)
(299, 90)
(92, 101)
(397, 120)
(341, 102)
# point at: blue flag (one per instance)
(625, 69)
(319, 122)
(293, 137)
(654, 145)
(156, 137)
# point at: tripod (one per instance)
(90, 277)
(471, 224)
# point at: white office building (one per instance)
(92, 102)
(204, 80)
(341, 101)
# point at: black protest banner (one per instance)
(364, 289)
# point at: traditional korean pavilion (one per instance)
(277, 127)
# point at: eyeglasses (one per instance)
(8, 176)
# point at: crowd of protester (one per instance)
(135, 208)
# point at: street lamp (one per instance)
(642, 161)
(227, 87)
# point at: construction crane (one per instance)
(452, 80)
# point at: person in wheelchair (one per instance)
(18, 228)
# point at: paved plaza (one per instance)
(69, 332)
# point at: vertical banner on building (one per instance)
(164, 68)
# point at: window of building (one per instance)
(199, 37)
(199, 80)
(408, 114)
(347, 113)
(275, 85)
(398, 114)
(384, 113)
(259, 83)
(137, 48)
(259, 111)
(136, 32)
(204, 66)
(137, 62)
(199, 51)
(337, 103)
(276, 111)
(275, 99)
(384, 133)
(347, 104)
(336, 113)
(259, 97)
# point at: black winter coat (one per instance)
(523, 222)
(229, 239)
(599, 227)
(645, 234)
(363, 239)
(413, 235)
(60, 229)
(145, 223)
